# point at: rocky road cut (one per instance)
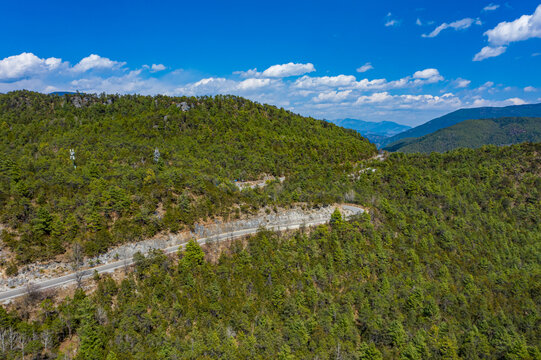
(289, 220)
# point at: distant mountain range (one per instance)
(376, 132)
(474, 134)
(61, 93)
(530, 110)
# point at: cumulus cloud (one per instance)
(308, 82)
(456, 25)
(488, 52)
(491, 7)
(427, 76)
(253, 84)
(288, 85)
(418, 22)
(157, 67)
(530, 89)
(279, 71)
(516, 101)
(523, 28)
(94, 61)
(505, 33)
(374, 98)
(26, 64)
(289, 69)
(344, 82)
(332, 96)
(461, 83)
(486, 86)
(365, 68)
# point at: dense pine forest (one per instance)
(445, 266)
(474, 134)
(143, 164)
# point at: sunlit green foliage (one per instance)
(474, 134)
(446, 266)
(114, 191)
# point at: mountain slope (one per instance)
(446, 266)
(474, 134)
(383, 128)
(529, 110)
(147, 164)
(376, 132)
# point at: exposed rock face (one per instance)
(184, 106)
(281, 220)
(258, 183)
(80, 100)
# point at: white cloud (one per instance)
(491, 7)
(157, 67)
(26, 64)
(278, 71)
(488, 52)
(391, 22)
(523, 28)
(418, 22)
(308, 82)
(457, 25)
(374, 98)
(365, 68)
(461, 83)
(516, 101)
(427, 76)
(248, 73)
(486, 86)
(332, 96)
(289, 69)
(253, 83)
(530, 89)
(338, 96)
(94, 61)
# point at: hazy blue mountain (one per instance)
(60, 93)
(529, 110)
(376, 132)
(474, 134)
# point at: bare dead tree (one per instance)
(11, 338)
(101, 315)
(77, 263)
(22, 341)
(3, 339)
(32, 293)
(46, 338)
(126, 261)
(79, 278)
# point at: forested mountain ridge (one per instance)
(455, 117)
(445, 267)
(474, 134)
(146, 164)
(376, 132)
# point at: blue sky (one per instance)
(403, 61)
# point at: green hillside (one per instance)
(455, 117)
(474, 134)
(447, 266)
(146, 164)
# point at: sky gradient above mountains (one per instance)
(406, 62)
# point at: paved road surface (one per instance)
(110, 267)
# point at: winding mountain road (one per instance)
(60, 281)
